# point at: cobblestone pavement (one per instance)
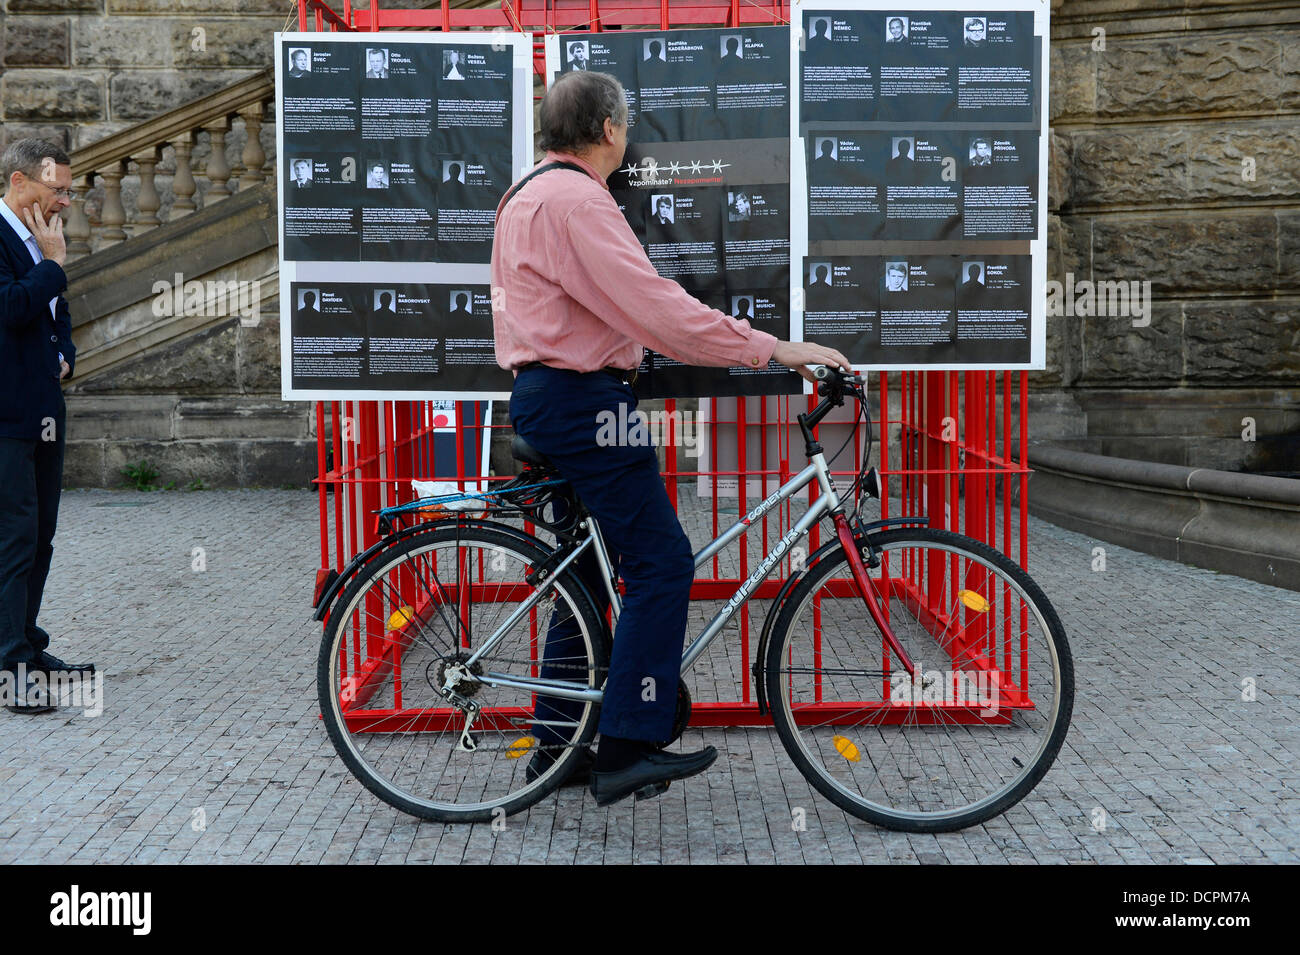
(209, 748)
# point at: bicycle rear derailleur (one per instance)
(455, 673)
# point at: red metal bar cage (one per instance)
(951, 444)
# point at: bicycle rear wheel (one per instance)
(416, 614)
(966, 740)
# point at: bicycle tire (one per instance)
(381, 596)
(892, 775)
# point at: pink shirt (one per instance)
(573, 288)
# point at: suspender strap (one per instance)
(537, 172)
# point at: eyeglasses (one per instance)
(58, 193)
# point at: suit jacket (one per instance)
(29, 341)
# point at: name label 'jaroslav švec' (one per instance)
(103, 908)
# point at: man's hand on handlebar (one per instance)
(799, 355)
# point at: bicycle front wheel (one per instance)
(966, 737)
(417, 619)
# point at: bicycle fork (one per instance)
(869, 591)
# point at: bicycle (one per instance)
(429, 667)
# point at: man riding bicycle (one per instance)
(575, 299)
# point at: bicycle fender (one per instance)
(342, 578)
(760, 682)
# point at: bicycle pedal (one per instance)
(649, 792)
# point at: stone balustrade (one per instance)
(167, 168)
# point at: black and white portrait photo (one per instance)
(980, 152)
(973, 31)
(661, 209)
(895, 276)
(578, 55)
(896, 29)
(453, 66)
(376, 63)
(376, 175)
(738, 206)
(300, 173)
(299, 61)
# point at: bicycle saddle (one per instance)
(521, 450)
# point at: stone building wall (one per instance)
(1176, 160)
(78, 70)
(1155, 107)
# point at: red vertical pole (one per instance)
(883, 432)
(670, 452)
(935, 485)
(461, 408)
(302, 16)
(742, 466)
(1024, 469)
(715, 477)
(320, 486)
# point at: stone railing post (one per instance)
(254, 156)
(218, 171)
(147, 203)
(112, 216)
(183, 184)
(77, 228)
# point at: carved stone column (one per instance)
(183, 184)
(112, 216)
(254, 155)
(77, 226)
(148, 202)
(218, 171)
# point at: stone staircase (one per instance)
(173, 288)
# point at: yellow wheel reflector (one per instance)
(846, 748)
(973, 600)
(401, 617)
(520, 747)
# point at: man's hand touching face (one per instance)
(47, 233)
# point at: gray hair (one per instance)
(26, 155)
(575, 108)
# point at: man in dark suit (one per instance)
(36, 352)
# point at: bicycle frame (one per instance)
(827, 502)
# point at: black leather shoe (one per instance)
(650, 775)
(52, 664)
(579, 775)
(30, 700)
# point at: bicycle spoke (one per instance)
(400, 734)
(945, 747)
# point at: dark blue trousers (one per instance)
(569, 417)
(31, 477)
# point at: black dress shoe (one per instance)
(649, 775)
(30, 700)
(52, 664)
(579, 774)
